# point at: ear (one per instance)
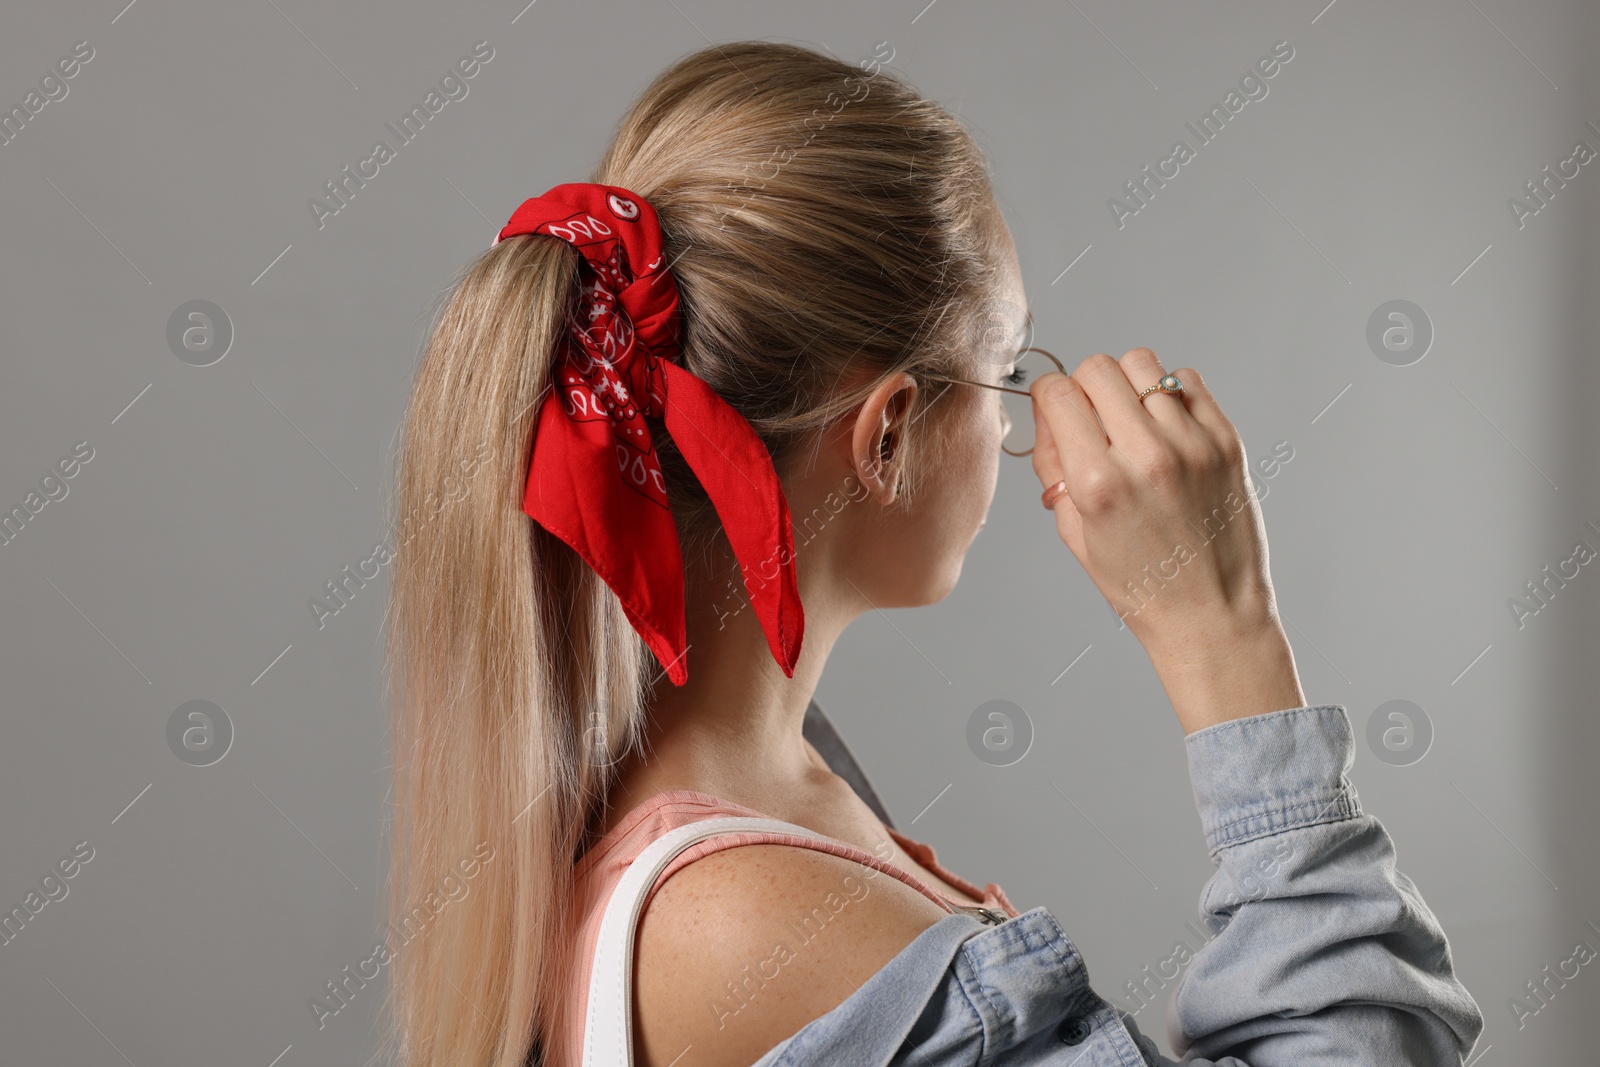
(878, 436)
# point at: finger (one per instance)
(1127, 421)
(1203, 406)
(1046, 458)
(1047, 465)
(1064, 415)
(1142, 368)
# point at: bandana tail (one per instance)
(629, 540)
(736, 470)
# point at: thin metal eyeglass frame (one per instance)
(1002, 388)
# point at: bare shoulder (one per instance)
(740, 949)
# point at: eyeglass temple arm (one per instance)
(1002, 388)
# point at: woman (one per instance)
(807, 256)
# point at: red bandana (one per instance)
(594, 480)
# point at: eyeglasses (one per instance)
(1018, 412)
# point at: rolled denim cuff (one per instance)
(1265, 774)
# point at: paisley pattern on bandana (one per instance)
(594, 479)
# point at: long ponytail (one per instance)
(509, 658)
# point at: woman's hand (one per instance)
(1160, 513)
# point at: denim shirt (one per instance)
(1322, 951)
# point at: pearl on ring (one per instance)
(1168, 384)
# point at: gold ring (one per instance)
(1168, 384)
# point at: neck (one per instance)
(734, 729)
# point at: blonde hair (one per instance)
(822, 221)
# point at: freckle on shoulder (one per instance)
(741, 948)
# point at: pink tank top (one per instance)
(598, 872)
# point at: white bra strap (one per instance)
(608, 1021)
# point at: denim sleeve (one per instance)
(1323, 951)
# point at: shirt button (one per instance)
(1073, 1031)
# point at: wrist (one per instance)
(1229, 672)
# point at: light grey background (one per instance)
(221, 498)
